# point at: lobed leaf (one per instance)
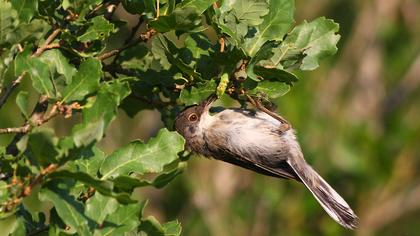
(142, 158)
(124, 219)
(97, 117)
(275, 25)
(99, 29)
(85, 81)
(55, 59)
(99, 207)
(69, 210)
(183, 20)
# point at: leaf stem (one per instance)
(10, 89)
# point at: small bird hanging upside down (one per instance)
(256, 141)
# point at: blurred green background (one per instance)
(357, 118)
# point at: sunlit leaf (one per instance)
(142, 158)
(275, 25)
(195, 95)
(99, 207)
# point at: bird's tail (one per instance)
(329, 199)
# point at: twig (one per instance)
(157, 9)
(35, 120)
(10, 89)
(143, 38)
(48, 41)
(47, 45)
(37, 114)
(285, 126)
(27, 190)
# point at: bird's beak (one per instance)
(206, 104)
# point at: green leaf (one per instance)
(151, 226)
(88, 161)
(168, 54)
(55, 59)
(33, 204)
(143, 158)
(147, 7)
(194, 95)
(40, 75)
(8, 225)
(25, 9)
(42, 145)
(249, 12)
(22, 103)
(69, 210)
(124, 219)
(172, 228)
(275, 25)
(103, 186)
(85, 81)
(127, 183)
(163, 179)
(180, 19)
(315, 40)
(199, 5)
(3, 191)
(237, 18)
(271, 89)
(99, 29)
(275, 74)
(99, 207)
(97, 117)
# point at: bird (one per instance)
(257, 141)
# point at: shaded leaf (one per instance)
(41, 144)
(22, 103)
(69, 210)
(99, 29)
(25, 9)
(142, 158)
(180, 19)
(3, 191)
(275, 74)
(151, 226)
(127, 183)
(102, 186)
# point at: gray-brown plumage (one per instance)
(254, 140)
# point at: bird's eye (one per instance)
(193, 117)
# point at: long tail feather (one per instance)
(329, 199)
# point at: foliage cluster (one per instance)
(176, 54)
